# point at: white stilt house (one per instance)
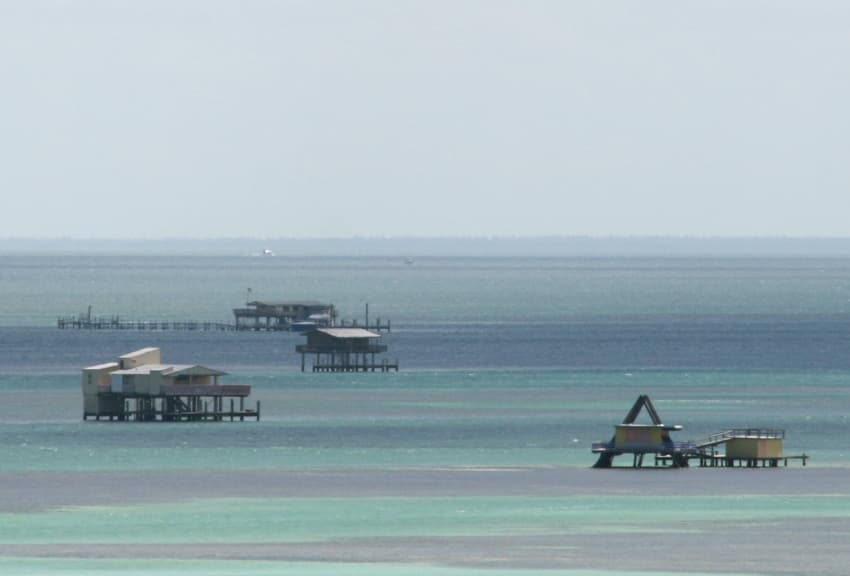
(140, 387)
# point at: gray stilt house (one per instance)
(346, 349)
(275, 316)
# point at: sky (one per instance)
(433, 118)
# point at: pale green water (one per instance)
(27, 567)
(271, 520)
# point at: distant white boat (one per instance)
(304, 326)
(267, 252)
(408, 261)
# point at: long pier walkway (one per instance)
(116, 323)
(87, 322)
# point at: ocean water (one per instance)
(474, 458)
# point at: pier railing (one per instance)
(116, 323)
(359, 348)
(721, 437)
(648, 447)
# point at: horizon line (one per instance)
(487, 237)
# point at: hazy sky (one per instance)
(424, 118)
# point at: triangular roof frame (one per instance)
(610, 450)
(643, 401)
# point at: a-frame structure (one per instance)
(641, 439)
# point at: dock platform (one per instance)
(174, 409)
(383, 366)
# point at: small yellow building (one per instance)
(642, 435)
(753, 447)
(641, 439)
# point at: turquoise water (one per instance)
(315, 519)
(424, 418)
(231, 568)
(473, 459)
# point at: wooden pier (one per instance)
(257, 316)
(721, 461)
(378, 325)
(176, 409)
(356, 365)
(83, 322)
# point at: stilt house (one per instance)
(641, 439)
(140, 387)
(344, 350)
(261, 315)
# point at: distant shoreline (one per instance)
(412, 247)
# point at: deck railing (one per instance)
(648, 447)
(725, 435)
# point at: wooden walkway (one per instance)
(721, 461)
(115, 323)
(84, 322)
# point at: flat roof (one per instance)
(148, 368)
(103, 366)
(196, 371)
(348, 332)
(287, 303)
(662, 426)
(171, 370)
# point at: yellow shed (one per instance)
(639, 435)
(745, 448)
